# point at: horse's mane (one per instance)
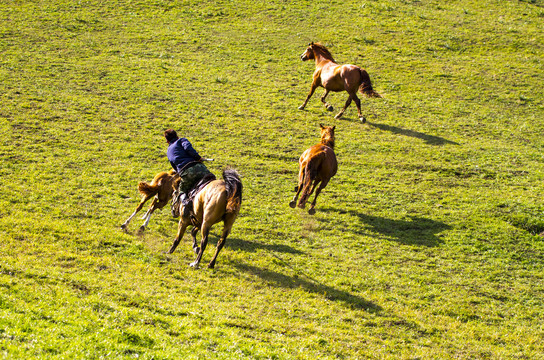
(328, 140)
(326, 53)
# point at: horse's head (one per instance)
(308, 54)
(327, 135)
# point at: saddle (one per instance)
(190, 196)
(188, 200)
(209, 177)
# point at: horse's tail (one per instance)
(233, 186)
(366, 85)
(310, 173)
(152, 188)
(149, 189)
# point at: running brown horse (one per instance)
(218, 200)
(334, 77)
(317, 166)
(161, 187)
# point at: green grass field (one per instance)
(427, 244)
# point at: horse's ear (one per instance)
(321, 126)
(311, 44)
(334, 127)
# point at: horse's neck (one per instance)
(328, 141)
(320, 57)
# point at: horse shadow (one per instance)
(413, 231)
(280, 280)
(429, 139)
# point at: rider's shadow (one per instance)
(429, 139)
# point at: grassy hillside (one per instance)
(425, 245)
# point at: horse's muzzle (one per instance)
(303, 57)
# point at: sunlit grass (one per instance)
(427, 243)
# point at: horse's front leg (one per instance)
(327, 105)
(181, 230)
(312, 90)
(194, 231)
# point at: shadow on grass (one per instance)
(277, 279)
(429, 139)
(415, 231)
(250, 246)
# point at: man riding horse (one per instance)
(192, 172)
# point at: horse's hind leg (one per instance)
(311, 210)
(348, 102)
(327, 105)
(147, 216)
(306, 192)
(124, 226)
(229, 221)
(298, 189)
(358, 103)
(307, 195)
(138, 208)
(205, 232)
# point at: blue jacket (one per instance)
(180, 153)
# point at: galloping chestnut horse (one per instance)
(218, 200)
(334, 77)
(317, 165)
(162, 188)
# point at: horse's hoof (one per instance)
(362, 118)
(311, 211)
(330, 108)
(141, 229)
(293, 204)
(124, 227)
(301, 107)
(338, 116)
(194, 265)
